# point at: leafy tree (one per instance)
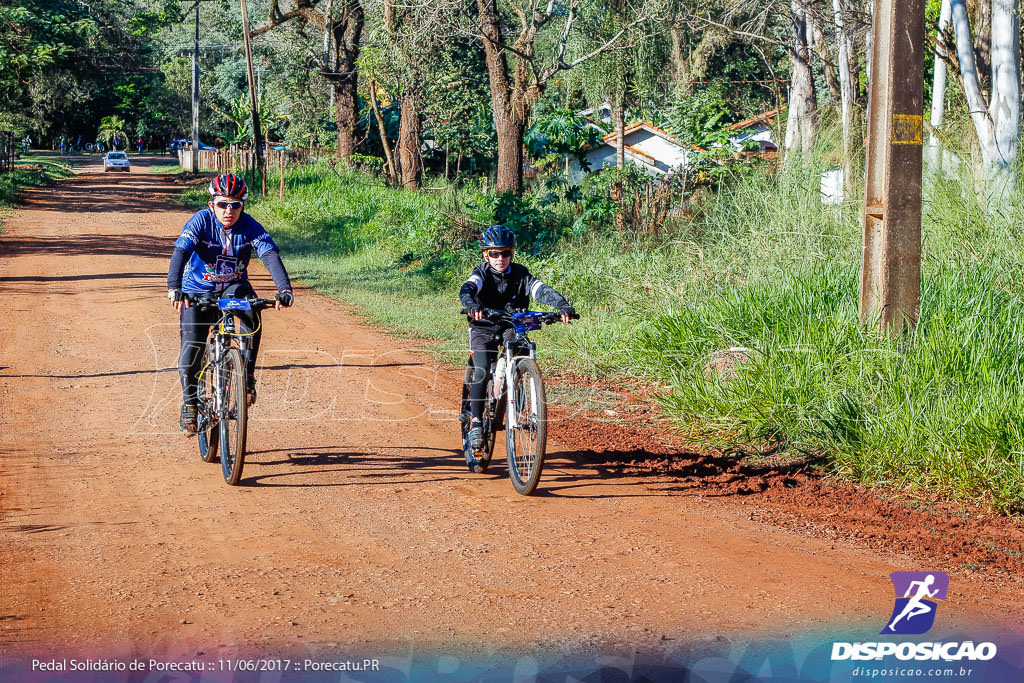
(457, 100)
(113, 130)
(558, 134)
(513, 35)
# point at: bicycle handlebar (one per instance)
(210, 301)
(499, 315)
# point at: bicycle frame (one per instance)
(517, 348)
(222, 398)
(221, 338)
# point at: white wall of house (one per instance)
(762, 135)
(667, 154)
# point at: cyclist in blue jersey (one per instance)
(212, 255)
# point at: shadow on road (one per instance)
(388, 467)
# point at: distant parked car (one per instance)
(116, 161)
(185, 143)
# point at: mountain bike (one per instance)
(222, 409)
(515, 393)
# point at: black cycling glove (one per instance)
(570, 311)
(286, 298)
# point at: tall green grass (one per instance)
(764, 266)
(941, 409)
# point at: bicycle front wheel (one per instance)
(233, 416)
(206, 418)
(526, 422)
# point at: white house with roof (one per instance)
(654, 150)
(758, 130)
(601, 113)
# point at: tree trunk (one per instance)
(848, 97)
(1006, 90)
(410, 143)
(389, 158)
(802, 124)
(997, 124)
(510, 156)
(618, 119)
(328, 26)
(509, 128)
(345, 108)
(347, 33)
(982, 46)
(933, 154)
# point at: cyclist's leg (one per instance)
(484, 346)
(194, 327)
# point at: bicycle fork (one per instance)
(511, 414)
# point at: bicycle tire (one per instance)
(209, 435)
(527, 441)
(233, 418)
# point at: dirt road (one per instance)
(357, 524)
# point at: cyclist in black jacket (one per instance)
(497, 283)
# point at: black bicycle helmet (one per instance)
(497, 237)
(229, 185)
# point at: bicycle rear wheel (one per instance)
(206, 418)
(478, 461)
(233, 416)
(526, 440)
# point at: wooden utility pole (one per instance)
(195, 98)
(890, 283)
(256, 134)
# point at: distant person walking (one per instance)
(140, 144)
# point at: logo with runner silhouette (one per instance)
(917, 596)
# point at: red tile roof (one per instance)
(767, 117)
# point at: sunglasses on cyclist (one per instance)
(499, 253)
(229, 205)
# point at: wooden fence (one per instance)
(235, 159)
(6, 151)
(242, 161)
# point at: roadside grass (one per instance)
(31, 170)
(763, 266)
(162, 166)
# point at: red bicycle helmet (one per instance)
(229, 185)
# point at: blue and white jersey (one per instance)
(219, 257)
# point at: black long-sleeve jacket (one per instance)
(487, 288)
